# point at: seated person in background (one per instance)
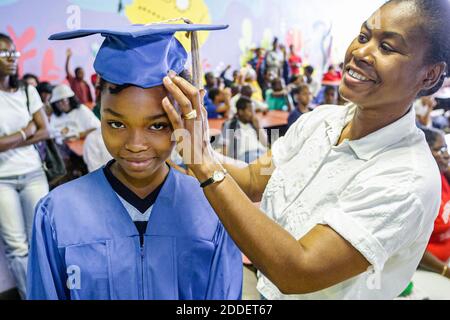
(95, 154)
(246, 140)
(247, 92)
(277, 97)
(332, 75)
(217, 102)
(330, 95)
(424, 107)
(313, 84)
(302, 99)
(295, 81)
(437, 254)
(229, 82)
(210, 81)
(79, 86)
(70, 119)
(248, 76)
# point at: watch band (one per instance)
(217, 176)
(207, 182)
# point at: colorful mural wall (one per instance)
(320, 30)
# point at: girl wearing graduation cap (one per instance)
(134, 229)
(350, 193)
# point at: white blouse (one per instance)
(381, 193)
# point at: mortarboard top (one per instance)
(139, 55)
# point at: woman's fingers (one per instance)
(191, 92)
(183, 101)
(172, 114)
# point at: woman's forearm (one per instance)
(431, 263)
(251, 178)
(11, 141)
(271, 248)
(40, 135)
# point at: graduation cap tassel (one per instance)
(195, 54)
(196, 67)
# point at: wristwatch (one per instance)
(217, 176)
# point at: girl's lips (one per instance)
(136, 164)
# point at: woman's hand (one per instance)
(191, 135)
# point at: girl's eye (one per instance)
(158, 126)
(116, 125)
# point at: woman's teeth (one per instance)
(357, 76)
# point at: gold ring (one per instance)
(190, 115)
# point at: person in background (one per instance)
(22, 178)
(230, 82)
(302, 99)
(218, 103)
(258, 64)
(274, 59)
(295, 82)
(31, 79)
(424, 107)
(330, 95)
(243, 135)
(277, 97)
(71, 119)
(95, 153)
(332, 75)
(79, 86)
(45, 92)
(210, 81)
(295, 62)
(247, 92)
(314, 85)
(437, 254)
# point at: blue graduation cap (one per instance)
(139, 55)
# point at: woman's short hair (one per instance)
(435, 17)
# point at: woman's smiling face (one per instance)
(384, 65)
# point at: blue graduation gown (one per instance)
(85, 246)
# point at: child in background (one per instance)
(277, 97)
(302, 97)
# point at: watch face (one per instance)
(218, 176)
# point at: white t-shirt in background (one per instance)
(95, 154)
(14, 116)
(78, 120)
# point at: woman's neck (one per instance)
(4, 83)
(367, 121)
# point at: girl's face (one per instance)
(384, 65)
(136, 130)
(440, 153)
(8, 65)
